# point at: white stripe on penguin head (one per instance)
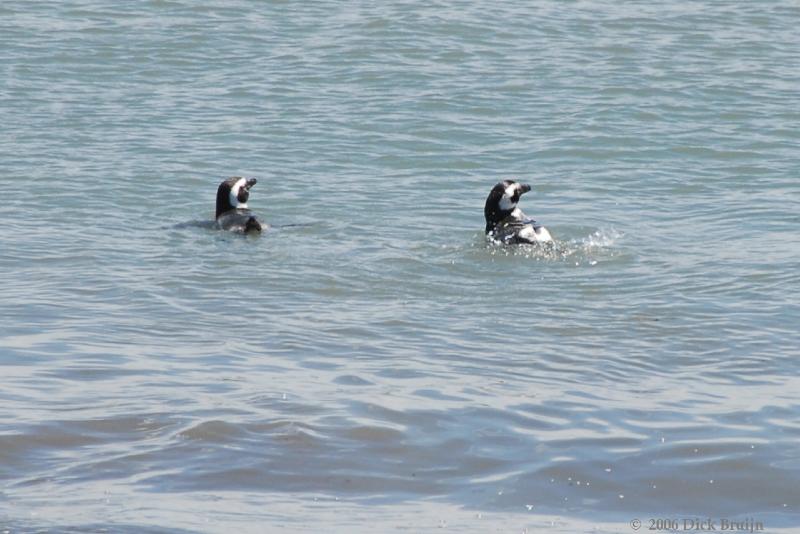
(233, 196)
(505, 201)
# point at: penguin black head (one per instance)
(233, 194)
(502, 200)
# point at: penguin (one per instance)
(232, 211)
(505, 222)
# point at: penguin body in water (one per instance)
(505, 222)
(232, 211)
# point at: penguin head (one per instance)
(502, 200)
(233, 193)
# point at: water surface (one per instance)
(371, 364)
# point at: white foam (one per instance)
(601, 239)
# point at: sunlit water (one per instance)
(371, 363)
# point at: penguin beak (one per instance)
(524, 188)
(250, 183)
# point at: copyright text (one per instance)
(697, 524)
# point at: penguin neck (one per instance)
(224, 207)
(223, 204)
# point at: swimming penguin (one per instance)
(232, 211)
(505, 222)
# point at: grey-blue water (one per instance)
(371, 364)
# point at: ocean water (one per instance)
(371, 364)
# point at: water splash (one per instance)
(599, 246)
